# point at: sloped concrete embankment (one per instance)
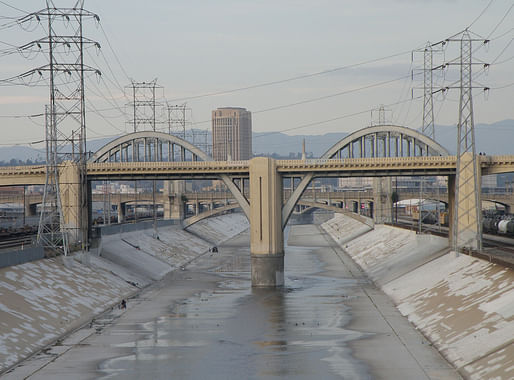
(463, 305)
(44, 300)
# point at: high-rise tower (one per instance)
(231, 134)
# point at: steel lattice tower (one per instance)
(428, 128)
(467, 214)
(144, 108)
(177, 119)
(65, 126)
(143, 105)
(428, 86)
(50, 234)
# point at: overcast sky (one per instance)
(200, 47)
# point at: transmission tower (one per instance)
(428, 130)
(383, 117)
(143, 105)
(428, 125)
(65, 126)
(177, 119)
(200, 139)
(144, 109)
(50, 234)
(428, 90)
(466, 233)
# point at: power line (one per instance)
(271, 83)
(481, 14)
(334, 118)
(114, 52)
(501, 21)
(13, 7)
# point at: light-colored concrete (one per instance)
(43, 300)
(344, 229)
(266, 235)
(390, 346)
(221, 228)
(463, 305)
(386, 252)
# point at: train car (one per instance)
(431, 217)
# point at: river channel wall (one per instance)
(42, 301)
(463, 305)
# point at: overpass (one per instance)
(378, 151)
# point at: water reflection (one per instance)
(236, 332)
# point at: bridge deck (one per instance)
(432, 165)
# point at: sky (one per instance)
(300, 67)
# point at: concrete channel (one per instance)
(351, 308)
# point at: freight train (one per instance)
(498, 224)
(431, 216)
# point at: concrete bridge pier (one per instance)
(30, 208)
(464, 203)
(382, 206)
(70, 192)
(266, 235)
(173, 204)
(121, 212)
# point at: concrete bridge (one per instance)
(379, 151)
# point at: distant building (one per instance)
(231, 134)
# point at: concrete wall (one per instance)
(45, 299)
(21, 256)
(463, 305)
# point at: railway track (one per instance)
(497, 249)
(17, 241)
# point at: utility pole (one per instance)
(65, 121)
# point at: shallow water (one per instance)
(236, 332)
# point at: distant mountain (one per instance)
(21, 153)
(495, 138)
(283, 145)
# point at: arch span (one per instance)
(128, 148)
(160, 146)
(207, 214)
(372, 141)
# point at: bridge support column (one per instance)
(266, 235)
(451, 208)
(173, 204)
(382, 205)
(30, 209)
(121, 212)
(467, 229)
(70, 188)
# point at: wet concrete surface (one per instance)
(206, 322)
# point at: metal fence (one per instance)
(21, 256)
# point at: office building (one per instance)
(231, 134)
